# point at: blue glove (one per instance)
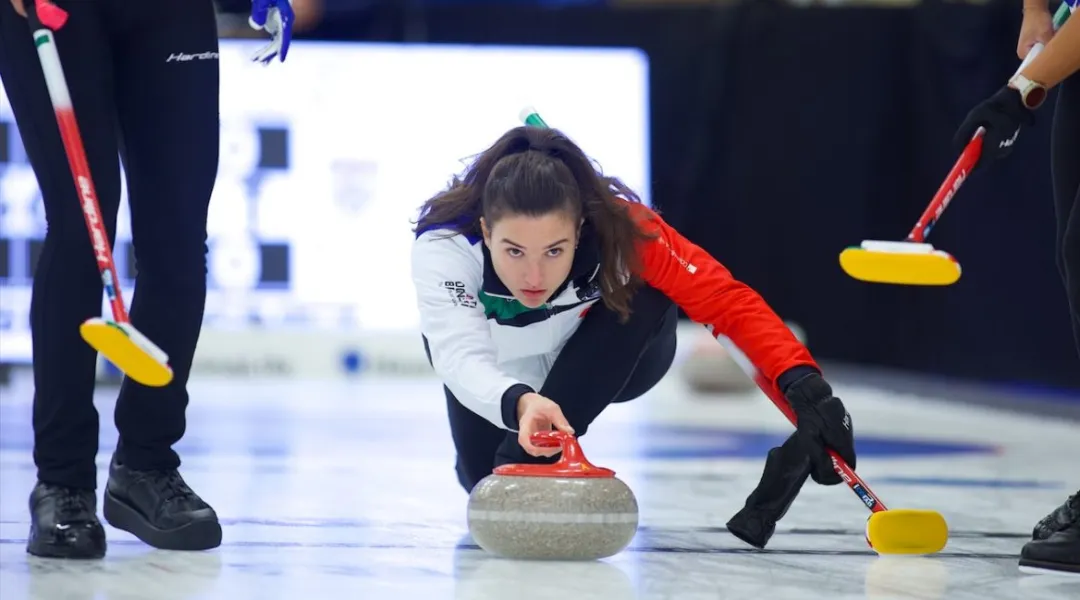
(276, 18)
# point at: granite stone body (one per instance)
(552, 518)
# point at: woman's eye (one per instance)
(513, 252)
(555, 252)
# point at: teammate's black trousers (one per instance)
(1065, 164)
(143, 90)
(604, 362)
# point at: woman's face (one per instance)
(532, 255)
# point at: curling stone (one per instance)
(569, 510)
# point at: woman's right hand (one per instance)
(1038, 26)
(19, 7)
(537, 413)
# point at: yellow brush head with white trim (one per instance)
(136, 356)
(902, 263)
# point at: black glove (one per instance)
(1002, 115)
(822, 422)
(786, 470)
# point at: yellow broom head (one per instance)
(900, 263)
(907, 531)
(131, 352)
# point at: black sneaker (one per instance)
(1055, 546)
(160, 509)
(64, 523)
(1058, 553)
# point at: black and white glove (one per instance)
(822, 423)
(1002, 115)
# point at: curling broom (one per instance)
(914, 261)
(888, 531)
(118, 340)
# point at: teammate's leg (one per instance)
(67, 287)
(1055, 544)
(169, 131)
(1064, 157)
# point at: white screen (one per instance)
(325, 159)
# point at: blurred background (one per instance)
(773, 134)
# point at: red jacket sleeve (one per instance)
(708, 293)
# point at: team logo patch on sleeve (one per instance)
(458, 295)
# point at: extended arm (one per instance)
(709, 295)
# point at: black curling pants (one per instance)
(604, 362)
(1065, 166)
(143, 80)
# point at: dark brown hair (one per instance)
(534, 171)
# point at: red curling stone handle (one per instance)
(571, 464)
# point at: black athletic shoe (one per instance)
(160, 509)
(1058, 553)
(1055, 546)
(1062, 517)
(64, 523)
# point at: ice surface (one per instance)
(347, 490)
